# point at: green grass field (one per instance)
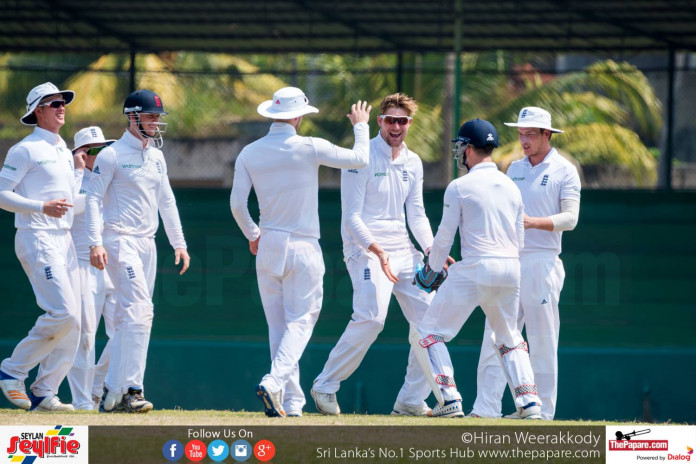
(210, 417)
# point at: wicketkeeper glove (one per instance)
(428, 280)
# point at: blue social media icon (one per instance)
(241, 450)
(173, 450)
(218, 450)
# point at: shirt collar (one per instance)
(547, 159)
(134, 141)
(282, 128)
(384, 149)
(484, 165)
(50, 137)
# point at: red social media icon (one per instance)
(195, 450)
(264, 450)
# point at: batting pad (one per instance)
(423, 359)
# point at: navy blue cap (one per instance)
(478, 132)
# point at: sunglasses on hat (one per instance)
(94, 151)
(390, 119)
(55, 104)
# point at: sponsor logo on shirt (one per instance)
(446, 205)
(517, 179)
(380, 174)
(42, 162)
(131, 166)
(12, 168)
(96, 170)
(544, 180)
(83, 191)
(354, 171)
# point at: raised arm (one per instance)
(333, 156)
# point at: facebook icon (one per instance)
(173, 450)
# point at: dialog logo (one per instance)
(173, 450)
(195, 450)
(240, 450)
(218, 450)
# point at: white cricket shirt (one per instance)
(41, 168)
(488, 209)
(543, 187)
(132, 185)
(283, 169)
(373, 200)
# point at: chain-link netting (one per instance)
(612, 108)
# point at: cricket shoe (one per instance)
(272, 406)
(452, 408)
(401, 409)
(110, 402)
(14, 391)
(531, 411)
(135, 402)
(290, 413)
(326, 403)
(49, 404)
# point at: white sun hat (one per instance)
(89, 135)
(287, 103)
(37, 94)
(533, 116)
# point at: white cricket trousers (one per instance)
(372, 291)
(132, 268)
(540, 292)
(493, 284)
(290, 272)
(96, 300)
(49, 260)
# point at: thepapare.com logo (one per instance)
(28, 444)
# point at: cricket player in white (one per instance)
(282, 167)
(379, 255)
(550, 188)
(130, 181)
(39, 181)
(487, 208)
(85, 379)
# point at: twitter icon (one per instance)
(218, 450)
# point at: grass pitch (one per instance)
(225, 418)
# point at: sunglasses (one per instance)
(94, 151)
(402, 120)
(55, 104)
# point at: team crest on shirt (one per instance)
(544, 180)
(159, 167)
(404, 175)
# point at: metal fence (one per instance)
(613, 108)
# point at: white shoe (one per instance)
(401, 409)
(531, 411)
(15, 392)
(51, 404)
(290, 413)
(109, 401)
(273, 407)
(452, 408)
(326, 403)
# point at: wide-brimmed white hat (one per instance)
(37, 94)
(89, 135)
(533, 116)
(287, 103)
